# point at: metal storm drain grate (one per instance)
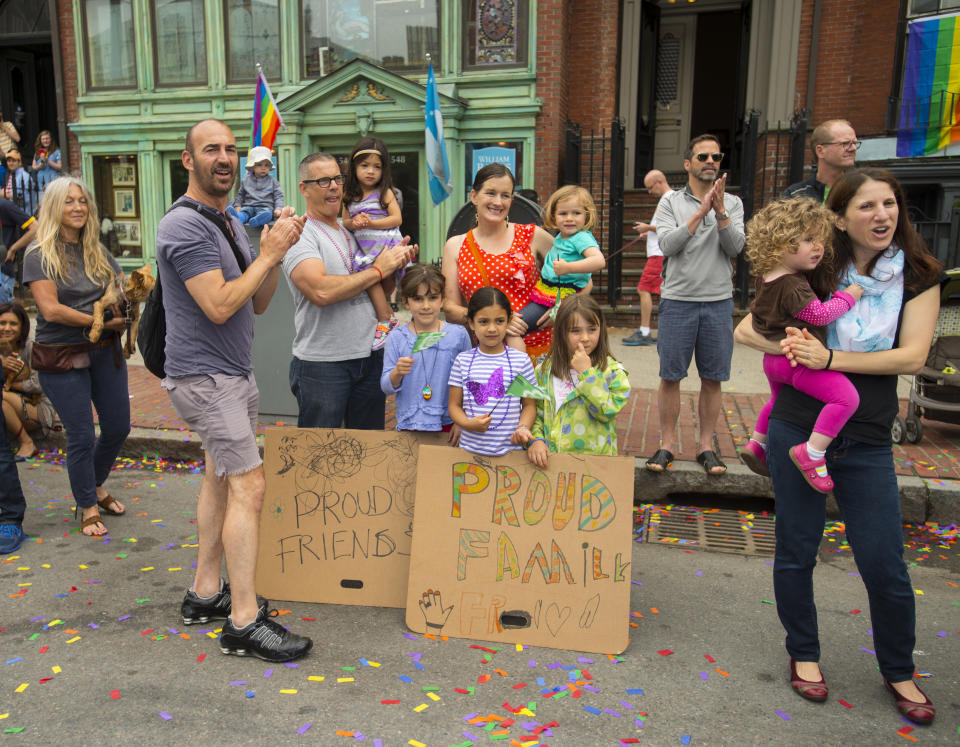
(719, 529)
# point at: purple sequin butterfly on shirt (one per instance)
(483, 392)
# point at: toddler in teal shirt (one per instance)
(574, 256)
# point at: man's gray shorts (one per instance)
(688, 327)
(222, 410)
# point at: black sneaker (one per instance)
(196, 610)
(264, 638)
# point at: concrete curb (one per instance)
(920, 499)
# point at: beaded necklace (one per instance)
(347, 257)
(510, 366)
(427, 392)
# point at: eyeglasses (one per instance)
(715, 157)
(324, 181)
(846, 144)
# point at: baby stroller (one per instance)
(935, 393)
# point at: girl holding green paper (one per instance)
(418, 356)
(587, 386)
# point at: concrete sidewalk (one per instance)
(929, 471)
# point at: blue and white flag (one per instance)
(438, 168)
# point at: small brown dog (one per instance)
(135, 291)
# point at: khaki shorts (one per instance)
(222, 409)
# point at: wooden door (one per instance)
(674, 90)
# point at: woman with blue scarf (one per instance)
(888, 333)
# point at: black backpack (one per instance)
(152, 334)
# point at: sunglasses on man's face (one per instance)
(715, 157)
(324, 182)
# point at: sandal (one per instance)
(710, 462)
(106, 504)
(92, 519)
(815, 690)
(660, 460)
(919, 713)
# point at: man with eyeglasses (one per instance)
(212, 287)
(834, 144)
(334, 374)
(700, 231)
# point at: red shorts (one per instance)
(650, 280)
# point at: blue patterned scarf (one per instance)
(872, 324)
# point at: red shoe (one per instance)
(919, 713)
(815, 690)
(755, 457)
(814, 470)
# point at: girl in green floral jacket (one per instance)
(587, 386)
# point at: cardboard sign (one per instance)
(504, 551)
(336, 519)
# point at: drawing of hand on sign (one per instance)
(432, 608)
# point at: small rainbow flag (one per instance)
(930, 108)
(266, 116)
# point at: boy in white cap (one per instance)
(260, 198)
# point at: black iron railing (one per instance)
(595, 161)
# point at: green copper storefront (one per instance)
(339, 69)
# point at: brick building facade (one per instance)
(663, 69)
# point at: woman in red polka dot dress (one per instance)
(496, 253)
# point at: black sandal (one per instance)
(660, 460)
(711, 461)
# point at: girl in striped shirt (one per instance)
(492, 422)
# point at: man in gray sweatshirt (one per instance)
(700, 230)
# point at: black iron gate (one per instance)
(595, 161)
(615, 213)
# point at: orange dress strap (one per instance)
(474, 248)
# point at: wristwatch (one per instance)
(720, 216)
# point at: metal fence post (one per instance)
(572, 153)
(798, 145)
(748, 171)
(615, 234)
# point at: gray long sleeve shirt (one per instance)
(259, 191)
(697, 267)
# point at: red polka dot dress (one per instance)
(514, 272)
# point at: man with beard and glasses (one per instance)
(700, 231)
(209, 300)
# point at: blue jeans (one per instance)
(89, 459)
(12, 503)
(335, 394)
(865, 486)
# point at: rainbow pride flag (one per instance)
(930, 108)
(266, 116)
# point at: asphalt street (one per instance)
(92, 651)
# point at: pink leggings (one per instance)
(830, 387)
